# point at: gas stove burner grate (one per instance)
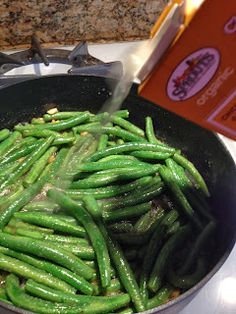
(81, 62)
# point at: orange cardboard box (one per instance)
(197, 77)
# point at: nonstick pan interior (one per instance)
(29, 99)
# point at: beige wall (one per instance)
(69, 21)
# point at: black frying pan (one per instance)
(29, 99)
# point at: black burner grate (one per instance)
(82, 63)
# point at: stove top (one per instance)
(14, 66)
(219, 295)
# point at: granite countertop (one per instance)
(70, 21)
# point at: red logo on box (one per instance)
(193, 74)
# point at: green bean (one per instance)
(59, 138)
(51, 208)
(88, 304)
(117, 157)
(122, 113)
(115, 286)
(64, 140)
(47, 250)
(21, 152)
(25, 270)
(186, 185)
(161, 297)
(115, 131)
(88, 127)
(92, 207)
(83, 148)
(102, 144)
(134, 198)
(2, 291)
(60, 126)
(143, 288)
(126, 212)
(105, 177)
(200, 242)
(25, 301)
(4, 133)
(164, 256)
(6, 201)
(57, 271)
(152, 224)
(55, 167)
(9, 229)
(179, 175)
(83, 251)
(27, 163)
(51, 237)
(9, 142)
(188, 281)
(44, 205)
(14, 223)
(156, 241)
(100, 117)
(14, 147)
(148, 219)
(130, 147)
(93, 231)
(38, 167)
(123, 268)
(61, 115)
(20, 231)
(121, 227)
(23, 142)
(3, 295)
(127, 125)
(120, 141)
(37, 121)
(193, 171)
(6, 169)
(64, 216)
(27, 195)
(149, 130)
(174, 228)
(87, 148)
(151, 155)
(45, 220)
(125, 135)
(180, 197)
(97, 166)
(91, 264)
(109, 191)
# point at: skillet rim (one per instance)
(199, 285)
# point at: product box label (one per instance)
(197, 77)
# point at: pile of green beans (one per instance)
(98, 216)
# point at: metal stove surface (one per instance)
(16, 66)
(219, 295)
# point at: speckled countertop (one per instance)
(70, 21)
